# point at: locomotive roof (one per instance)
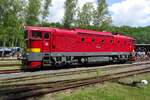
(39, 28)
(77, 30)
(92, 32)
(123, 36)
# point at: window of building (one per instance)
(36, 34)
(46, 35)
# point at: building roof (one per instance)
(142, 44)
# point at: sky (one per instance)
(133, 13)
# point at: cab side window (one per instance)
(46, 35)
(36, 34)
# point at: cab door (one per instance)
(47, 42)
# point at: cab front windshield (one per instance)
(36, 35)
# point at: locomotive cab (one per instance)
(38, 44)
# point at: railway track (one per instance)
(14, 92)
(8, 59)
(9, 68)
(65, 73)
(9, 71)
(6, 65)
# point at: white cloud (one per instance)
(57, 9)
(125, 12)
(131, 12)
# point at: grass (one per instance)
(109, 91)
(9, 68)
(10, 62)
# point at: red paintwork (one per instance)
(62, 40)
(33, 64)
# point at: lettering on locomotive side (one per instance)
(98, 47)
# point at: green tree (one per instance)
(101, 16)
(33, 12)
(10, 21)
(70, 10)
(141, 34)
(45, 11)
(85, 15)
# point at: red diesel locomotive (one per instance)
(51, 46)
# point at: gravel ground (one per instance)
(22, 74)
(98, 72)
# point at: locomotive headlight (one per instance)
(35, 50)
(133, 50)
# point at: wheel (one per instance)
(83, 60)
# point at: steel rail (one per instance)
(5, 65)
(36, 89)
(4, 59)
(10, 71)
(48, 75)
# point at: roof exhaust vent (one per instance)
(115, 33)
